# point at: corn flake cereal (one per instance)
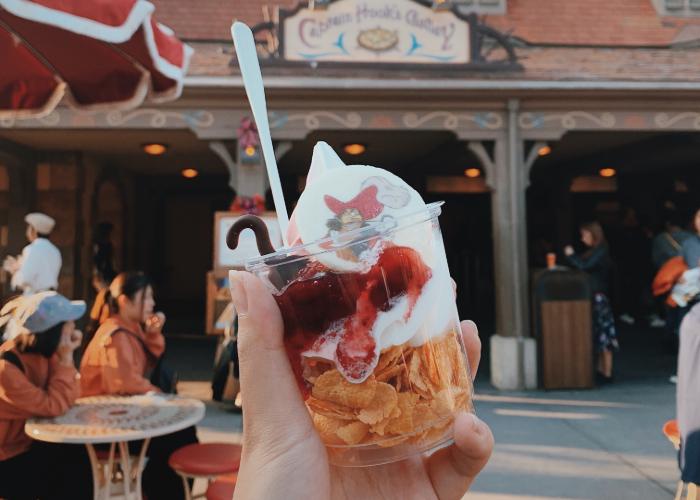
(353, 433)
(383, 404)
(380, 427)
(403, 424)
(332, 386)
(411, 397)
(329, 409)
(328, 428)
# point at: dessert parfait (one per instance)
(371, 327)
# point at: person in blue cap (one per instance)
(38, 378)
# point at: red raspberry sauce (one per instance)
(320, 299)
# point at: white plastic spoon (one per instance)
(252, 80)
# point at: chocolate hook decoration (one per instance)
(279, 276)
(258, 226)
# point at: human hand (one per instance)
(155, 323)
(283, 456)
(70, 341)
(10, 264)
(569, 250)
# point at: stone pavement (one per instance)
(600, 444)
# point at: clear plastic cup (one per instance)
(375, 347)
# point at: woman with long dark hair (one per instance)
(38, 378)
(597, 263)
(127, 345)
(128, 341)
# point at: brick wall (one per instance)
(589, 22)
(57, 194)
(211, 19)
(577, 22)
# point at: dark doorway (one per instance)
(631, 182)
(466, 231)
(175, 232)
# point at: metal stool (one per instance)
(206, 461)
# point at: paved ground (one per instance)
(599, 444)
(602, 444)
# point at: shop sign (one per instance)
(375, 31)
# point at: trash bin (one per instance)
(564, 324)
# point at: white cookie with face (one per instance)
(340, 199)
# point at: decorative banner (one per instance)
(376, 31)
(247, 133)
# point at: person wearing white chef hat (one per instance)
(37, 269)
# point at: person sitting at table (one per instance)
(38, 378)
(128, 343)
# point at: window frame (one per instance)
(497, 7)
(686, 8)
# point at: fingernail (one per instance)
(473, 325)
(238, 293)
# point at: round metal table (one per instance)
(116, 420)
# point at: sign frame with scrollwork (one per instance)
(480, 42)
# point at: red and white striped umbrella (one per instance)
(95, 54)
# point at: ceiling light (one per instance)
(544, 151)
(472, 173)
(154, 148)
(189, 173)
(354, 149)
(607, 172)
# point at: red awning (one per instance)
(97, 54)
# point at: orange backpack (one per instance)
(667, 276)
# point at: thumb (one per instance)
(268, 389)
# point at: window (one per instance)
(677, 7)
(479, 6)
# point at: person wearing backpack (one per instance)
(38, 378)
(690, 250)
(665, 246)
(669, 242)
(127, 345)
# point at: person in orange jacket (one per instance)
(128, 341)
(127, 345)
(38, 378)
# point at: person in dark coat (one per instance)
(597, 263)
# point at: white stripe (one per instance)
(164, 66)
(80, 25)
(139, 16)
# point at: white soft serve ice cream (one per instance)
(340, 198)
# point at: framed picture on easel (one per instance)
(218, 298)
